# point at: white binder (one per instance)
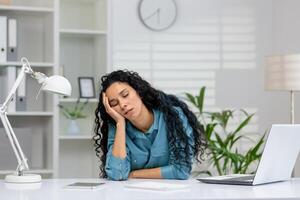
(12, 40)
(21, 94)
(3, 39)
(11, 74)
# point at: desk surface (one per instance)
(54, 189)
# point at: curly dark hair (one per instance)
(153, 99)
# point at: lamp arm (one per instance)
(13, 90)
(22, 160)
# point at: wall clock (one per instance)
(157, 15)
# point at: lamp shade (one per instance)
(282, 72)
(57, 84)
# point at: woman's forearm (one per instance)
(119, 146)
(146, 173)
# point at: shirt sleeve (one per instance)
(116, 168)
(180, 170)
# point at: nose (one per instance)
(122, 104)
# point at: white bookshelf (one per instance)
(28, 4)
(26, 9)
(53, 34)
(72, 100)
(82, 51)
(82, 32)
(32, 171)
(32, 64)
(35, 41)
(32, 114)
(75, 137)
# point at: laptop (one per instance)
(277, 162)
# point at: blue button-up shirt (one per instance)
(148, 150)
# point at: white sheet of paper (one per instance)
(156, 186)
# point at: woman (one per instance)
(142, 132)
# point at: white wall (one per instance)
(239, 35)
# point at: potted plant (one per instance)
(222, 152)
(74, 113)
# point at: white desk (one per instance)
(53, 189)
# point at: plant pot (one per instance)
(73, 128)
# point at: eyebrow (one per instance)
(120, 93)
(124, 90)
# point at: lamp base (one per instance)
(25, 178)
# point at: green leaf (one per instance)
(226, 114)
(219, 139)
(200, 99)
(235, 140)
(244, 123)
(204, 172)
(191, 99)
(245, 112)
(258, 145)
(209, 130)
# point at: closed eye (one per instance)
(125, 95)
(113, 103)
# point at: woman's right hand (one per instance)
(114, 114)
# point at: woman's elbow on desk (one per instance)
(116, 168)
(116, 175)
(183, 174)
(117, 172)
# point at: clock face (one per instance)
(157, 15)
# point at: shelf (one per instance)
(34, 171)
(74, 100)
(75, 137)
(80, 1)
(32, 64)
(82, 32)
(34, 114)
(26, 9)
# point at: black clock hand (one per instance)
(158, 16)
(154, 13)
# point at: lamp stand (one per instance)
(25, 178)
(293, 122)
(292, 107)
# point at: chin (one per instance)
(132, 116)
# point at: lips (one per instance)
(128, 111)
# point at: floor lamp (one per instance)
(53, 84)
(282, 73)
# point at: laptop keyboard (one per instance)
(243, 178)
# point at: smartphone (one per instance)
(84, 185)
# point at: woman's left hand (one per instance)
(114, 114)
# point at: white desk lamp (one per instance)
(54, 84)
(282, 73)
